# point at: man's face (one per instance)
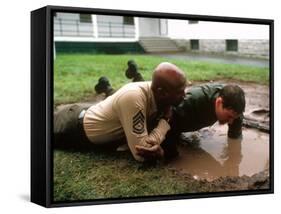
(224, 115)
(174, 97)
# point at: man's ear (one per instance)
(219, 101)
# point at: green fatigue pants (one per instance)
(69, 132)
(68, 128)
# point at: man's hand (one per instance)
(153, 152)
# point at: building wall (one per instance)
(69, 25)
(164, 27)
(98, 47)
(254, 47)
(149, 27)
(114, 27)
(183, 44)
(213, 45)
(246, 47)
(183, 29)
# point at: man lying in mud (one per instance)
(202, 106)
(123, 115)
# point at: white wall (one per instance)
(113, 26)
(69, 24)
(164, 27)
(148, 27)
(15, 108)
(68, 27)
(181, 29)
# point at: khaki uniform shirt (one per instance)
(125, 114)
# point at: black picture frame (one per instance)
(42, 92)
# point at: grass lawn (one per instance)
(75, 75)
(94, 174)
(97, 175)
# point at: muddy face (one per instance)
(210, 154)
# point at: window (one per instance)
(194, 44)
(192, 22)
(85, 18)
(231, 45)
(128, 20)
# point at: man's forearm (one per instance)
(235, 129)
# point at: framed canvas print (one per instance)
(140, 106)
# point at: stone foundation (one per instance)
(256, 48)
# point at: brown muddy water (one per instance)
(210, 154)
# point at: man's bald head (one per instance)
(168, 83)
(167, 75)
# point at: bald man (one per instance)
(124, 116)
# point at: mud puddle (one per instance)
(210, 154)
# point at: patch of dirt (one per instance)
(258, 181)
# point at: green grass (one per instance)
(96, 175)
(75, 75)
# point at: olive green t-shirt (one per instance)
(197, 111)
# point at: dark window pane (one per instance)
(128, 20)
(194, 44)
(85, 18)
(231, 45)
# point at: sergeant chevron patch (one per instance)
(138, 123)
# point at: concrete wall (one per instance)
(246, 47)
(213, 45)
(254, 47)
(149, 27)
(183, 44)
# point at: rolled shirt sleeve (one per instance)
(132, 111)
